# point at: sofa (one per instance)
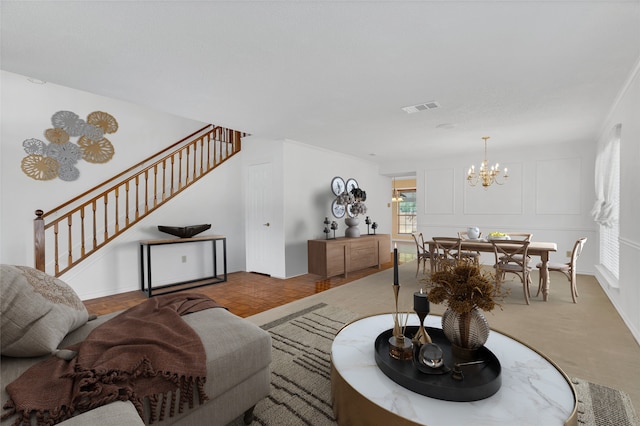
(238, 353)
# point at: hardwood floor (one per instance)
(246, 293)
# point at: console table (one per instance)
(145, 264)
(534, 390)
(343, 255)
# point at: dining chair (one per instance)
(512, 257)
(466, 254)
(519, 236)
(524, 236)
(422, 241)
(568, 268)
(422, 253)
(447, 251)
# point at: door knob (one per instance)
(267, 224)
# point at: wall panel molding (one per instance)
(556, 183)
(439, 191)
(506, 199)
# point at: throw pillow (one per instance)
(37, 312)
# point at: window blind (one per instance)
(609, 241)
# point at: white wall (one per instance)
(307, 185)
(26, 112)
(302, 196)
(549, 193)
(553, 209)
(625, 294)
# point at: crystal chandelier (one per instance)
(486, 176)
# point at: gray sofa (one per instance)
(238, 372)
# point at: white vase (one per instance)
(473, 232)
(352, 230)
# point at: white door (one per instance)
(259, 232)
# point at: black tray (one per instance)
(480, 380)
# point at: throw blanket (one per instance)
(148, 351)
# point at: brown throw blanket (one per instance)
(147, 351)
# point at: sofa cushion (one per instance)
(236, 348)
(37, 311)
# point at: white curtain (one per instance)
(607, 159)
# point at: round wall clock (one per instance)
(338, 210)
(337, 185)
(351, 183)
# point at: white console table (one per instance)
(534, 390)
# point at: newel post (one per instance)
(38, 240)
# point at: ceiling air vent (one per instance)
(421, 107)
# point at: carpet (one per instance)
(301, 385)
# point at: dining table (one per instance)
(536, 248)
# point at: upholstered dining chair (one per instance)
(466, 254)
(447, 251)
(422, 253)
(568, 268)
(512, 257)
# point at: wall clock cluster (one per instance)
(339, 187)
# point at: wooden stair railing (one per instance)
(83, 225)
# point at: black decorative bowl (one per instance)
(184, 231)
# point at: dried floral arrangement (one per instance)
(463, 286)
(354, 201)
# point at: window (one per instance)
(609, 246)
(407, 223)
(607, 207)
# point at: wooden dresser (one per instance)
(343, 255)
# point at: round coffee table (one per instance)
(534, 390)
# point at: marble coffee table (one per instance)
(534, 390)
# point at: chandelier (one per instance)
(395, 195)
(486, 176)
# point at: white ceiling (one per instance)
(337, 73)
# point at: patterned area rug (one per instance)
(301, 385)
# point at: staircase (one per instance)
(71, 232)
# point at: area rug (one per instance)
(603, 406)
(301, 384)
